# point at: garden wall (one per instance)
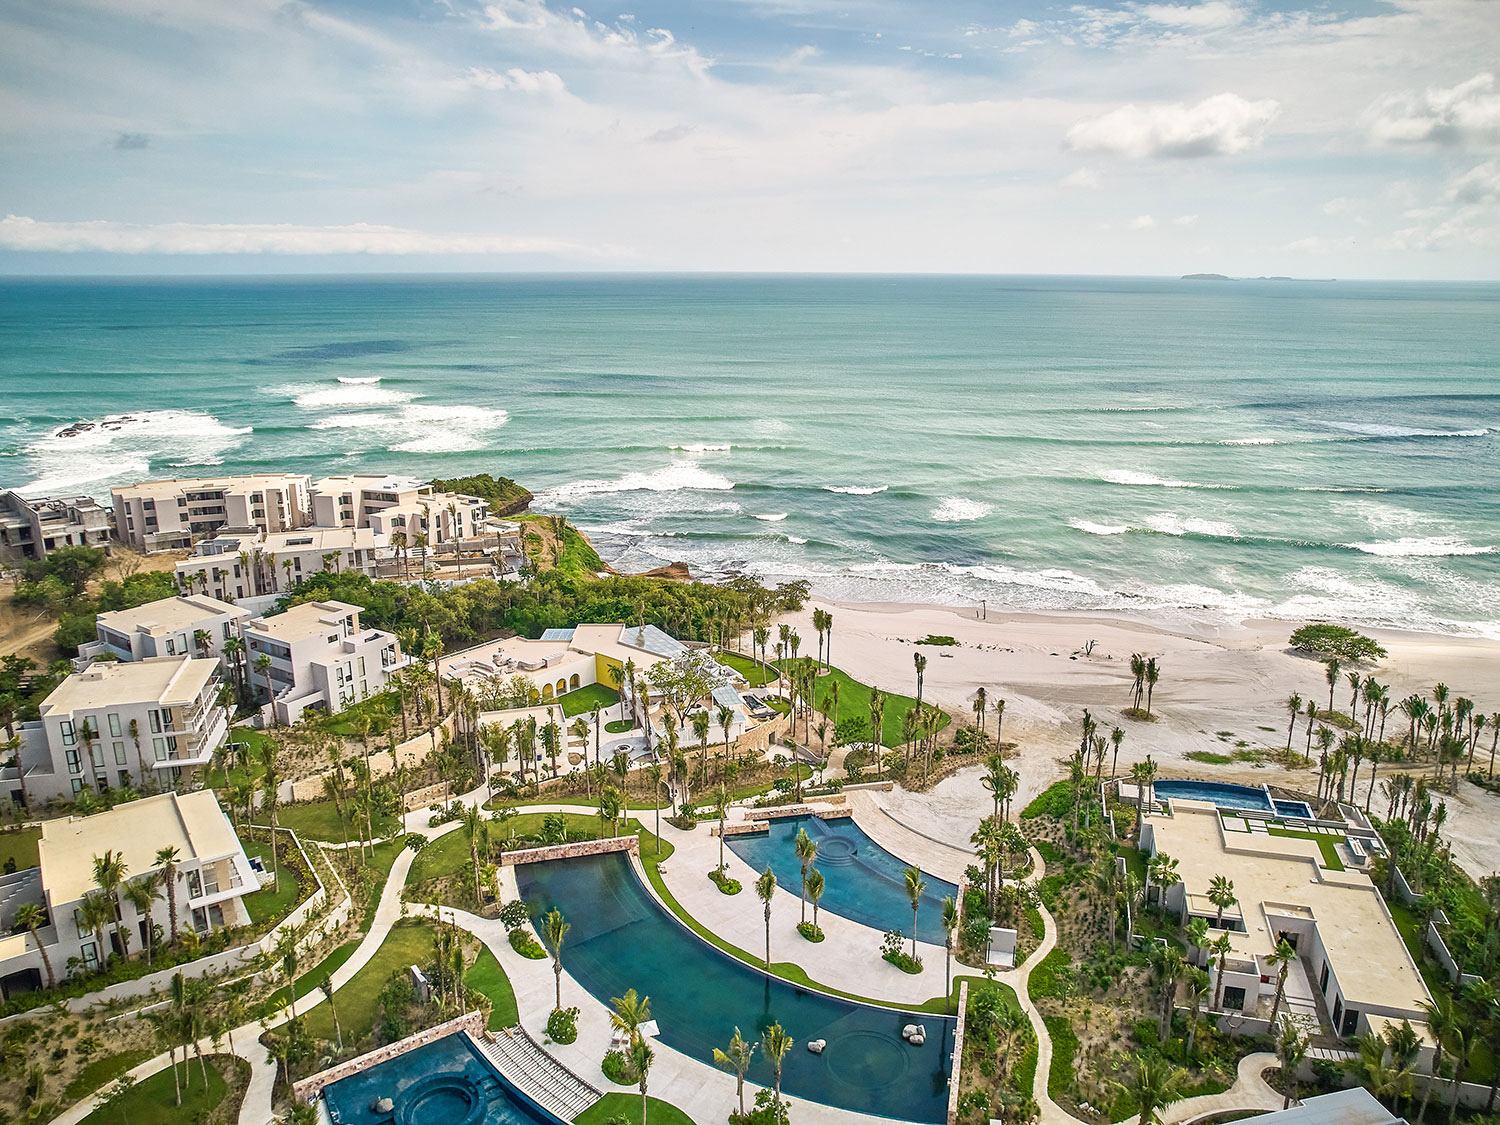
(958, 1051)
(568, 851)
(382, 763)
(305, 1091)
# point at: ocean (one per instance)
(1198, 449)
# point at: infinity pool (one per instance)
(1227, 796)
(862, 881)
(622, 938)
(446, 1082)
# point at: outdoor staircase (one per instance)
(540, 1076)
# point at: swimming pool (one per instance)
(1228, 796)
(445, 1082)
(862, 881)
(622, 938)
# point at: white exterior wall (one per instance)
(142, 643)
(168, 514)
(334, 668)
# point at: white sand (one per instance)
(1217, 678)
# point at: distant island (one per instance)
(1223, 277)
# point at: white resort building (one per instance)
(317, 656)
(251, 564)
(168, 515)
(390, 504)
(33, 528)
(115, 724)
(213, 875)
(1301, 881)
(195, 625)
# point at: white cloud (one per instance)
(1222, 125)
(17, 232)
(1141, 222)
(1198, 17)
(1480, 184)
(523, 81)
(1455, 115)
(1185, 221)
(1082, 178)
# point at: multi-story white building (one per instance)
(149, 723)
(168, 515)
(248, 564)
(316, 655)
(33, 528)
(212, 872)
(194, 625)
(391, 504)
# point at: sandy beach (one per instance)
(1214, 678)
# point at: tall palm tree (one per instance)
(142, 893)
(31, 917)
(1331, 673)
(629, 1012)
(641, 1057)
(920, 663)
(554, 930)
(110, 870)
(476, 828)
(1282, 958)
(1221, 894)
(166, 859)
(806, 849)
(736, 1058)
(1153, 673)
(1291, 1049)
(1293, 705)
(915, 885)
(950, 924)
(776, 1044)
(656, 775)
(285, 954)
(95, 911)
(1154, 1084)
(325, 986)
(1441, 1019)
(815, 886)
(765, 890)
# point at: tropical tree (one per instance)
(554, 930)
(1294, 706)
(325, 986)
(629, 1012)
(31, 917)
(641, 1056)
(1282, 959)
(476, 829)
(1152, 1085)
(915, 886)
(721, 810)
(765, 890)
(1291, 1049)
(1442, 1019)
(736, 1058)
(815, 886)
(1221, 894)
(806, 849)
(950, 923)
(776, 1045)
(142, 893)
(110, 870)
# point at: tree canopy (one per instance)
(1336, 641)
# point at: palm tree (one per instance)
(1221, 894)
(95, 911)
(1283, 957)
(1331, 672)
(142, 892)
(1154, 1084)
(765, 890)
(1143, 774)
(806, 849)
(166, 859)
(325, 986)
(31, 917)
(815, 885)
(1293, 705)
(1291, 1046)
(1441, 1022)
(630, 1011)
(641, 1056)
(737, 1059)
(554, 930)
(109, 872)
(920, 662)
(1169, 965)
(285, 954)
(915, 885)
(777, 1044)
(476, 828)
(1153, 673)
(950, 923)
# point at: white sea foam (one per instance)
(676, 477)
(1382, 429)
(447, 429)
(122, 446)
(345, 395)
(1147, 480)
(358, 380)
(701, 447)
(350, 421)
(795, 539)
(855, 489)
(1337, 488)
(774, 517)
(1249, 441)
(957, 509)
(1438, 546)
(1170, 523)
(1099, 528)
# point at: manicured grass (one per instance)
(1043, 979)
(444, 856)
(151, 1101)
(274, 899)
(219, 778)
(618, 726)
(854, 701)
(102, 1071)
(382, 859)
(628, 1106)
(585, 699)
(1326, 844)
(1064, 1047)
(359, 1000)
(319, 820)
(756, 674)
(486, 976)
(20, 845)
(307, 982)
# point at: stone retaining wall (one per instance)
(958, 1052)
(568, 851)
(382, 763)
(754, 828)
(307, 1090)
(784, 811)
(428, 795)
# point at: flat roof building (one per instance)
(249, 564)
(195, 625)
(317, 656)
(168, 515)
(32, 528)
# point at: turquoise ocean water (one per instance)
(1202, 448)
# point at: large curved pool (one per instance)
(621, 938)
(862, 881)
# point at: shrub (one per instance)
(514, 914)
(1057, 800)
(940, 639)
(891, 950)
(562, 1025)
(1336, 641)
(809, 931)
(526, 945)
(764, 1113)
(617, 1069)
(1045, 978)
(414, 842)
(725, 884)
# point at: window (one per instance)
(77, 786)
(159, 748)
(1234, 999)
(96, 755)
(101, 782)
(119, 749)
(90, 952)
(361, 666)
(155, 717)
(171, 647)
(75, 765)
(124, 779)
(69, 736)
(114, 725)
(226, 630)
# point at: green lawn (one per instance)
(488, 977)
(585, 699)
(1328, 845)
(219, 778)
(358, 1001)
(102, 1071)
(319, 820)
(151, 1101)
(382, 859)
(854, 701)
(307, 982)
(628, 1106)
(1064, 1047)
(20, 845)
(756, 674)
(272, 900)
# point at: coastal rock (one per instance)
(677, 572)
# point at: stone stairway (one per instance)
(544, 1079)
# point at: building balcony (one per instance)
(222, 885)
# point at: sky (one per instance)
(1334, 139)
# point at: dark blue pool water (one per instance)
(621, 938)
(1220, 793)
(862, 881)
(446, 1082)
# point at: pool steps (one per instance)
(540, 1076)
